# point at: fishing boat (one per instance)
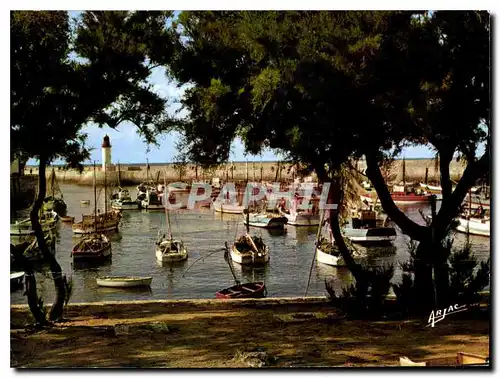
(123, 201)
(297, 217)
(239, 290)
(265, 220)
(326, 252)
(54, 201)
(152, 201)
(67, 219)
(474, 226)
(364, 229)
(124, 281)
(249, 250)
(98, 222)
(48, 221)
(401, 196)
(92, 247)
(169, 249)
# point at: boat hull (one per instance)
(104, 252)
(263, 221)
(326, 258)
(147, 206)
(129, 205)
(124, 282)
(409, 199)
(84, 230)
(246, 290)
(474, 227)
(378, 235)
(248, 258)
(228, 208)
(179, 254)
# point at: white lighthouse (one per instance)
(106, 153)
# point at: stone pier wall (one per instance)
(135, 174)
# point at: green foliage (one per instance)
(64, 77)
(467, 277)
(365, 299)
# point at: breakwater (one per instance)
(131, 174)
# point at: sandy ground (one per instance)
(201, 334)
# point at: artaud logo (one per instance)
(302, 198)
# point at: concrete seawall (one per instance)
(269, 171)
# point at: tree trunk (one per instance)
(334, 198)
(30, 283)
(56, 271)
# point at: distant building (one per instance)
(106, 154)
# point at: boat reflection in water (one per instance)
(277, 231)
(132, 290)
(91, 264)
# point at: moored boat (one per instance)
(169, 249)
(92, 247)
(474, 226)
(364, 229)
(67, 219)
(249, 250)
(123, 281)
(246, 290)
(123, 201)
(298, 217)
(153, 200)
(89, 224)
(265, 220)
(48, 221)
(401, 197)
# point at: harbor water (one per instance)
(204, 232)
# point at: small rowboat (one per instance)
(67, 219)
(246, 290)
(123, 281)
(85, 202)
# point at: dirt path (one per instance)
(207, 335)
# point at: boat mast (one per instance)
(165, 198)
(95, 201)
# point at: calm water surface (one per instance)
(204, 233)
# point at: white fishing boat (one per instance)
(48, 221)
(228, 207)
(124, 281)
(123, 201)
(474, 226)
(298, 217)
(169, 249)
(249, 250)
(364, 230)
(265, 220)
(326, 252)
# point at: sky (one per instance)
(128, 147)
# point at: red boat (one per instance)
(401, 198)
(246, 290)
